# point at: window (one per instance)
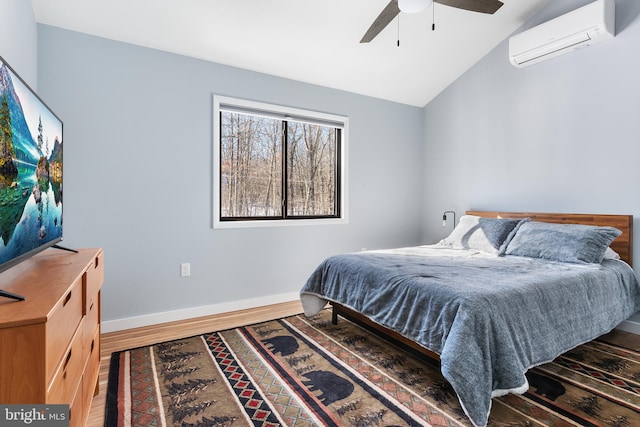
(276, 165)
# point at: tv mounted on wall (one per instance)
(30, 172)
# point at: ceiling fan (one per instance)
(413, 6)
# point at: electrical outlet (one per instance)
(185, 269)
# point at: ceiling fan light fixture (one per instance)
(413, 6)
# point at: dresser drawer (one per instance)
(63, 322)
(92, 369)
(77, 409)
(67, 377)
(91, 318)
(93, 280)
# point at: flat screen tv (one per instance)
(30, 172)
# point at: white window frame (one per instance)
(271, 110)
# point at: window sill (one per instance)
(217, 224)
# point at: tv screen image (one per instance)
(30, 171)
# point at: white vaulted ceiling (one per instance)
(313, 41)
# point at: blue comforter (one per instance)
(489, 318)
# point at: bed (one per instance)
(504, 292)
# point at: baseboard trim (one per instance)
(629, 326)
(190, 313)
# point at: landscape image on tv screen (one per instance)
(30, 171)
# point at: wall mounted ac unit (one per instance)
(582, 27)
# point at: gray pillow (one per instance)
(576, 243)
(489, 235)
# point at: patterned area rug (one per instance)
(300, 371)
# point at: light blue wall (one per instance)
(19, 39)
(559, 136)
(137, 151)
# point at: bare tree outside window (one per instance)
(311, 175)
(254, 181)
(250, 166)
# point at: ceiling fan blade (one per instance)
(386, 16)
(392, 10)
(482, 6)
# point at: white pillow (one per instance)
(611, 254)
(490, 235)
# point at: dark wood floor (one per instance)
(623, 339)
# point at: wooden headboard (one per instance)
(623, 245)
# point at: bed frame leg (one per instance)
(334, 316)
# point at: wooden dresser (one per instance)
(50, 342)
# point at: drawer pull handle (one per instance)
(97, 261)
(91, 307)
(93, 342)
(67, 298)
(66, 361)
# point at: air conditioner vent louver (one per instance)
(582, 27)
